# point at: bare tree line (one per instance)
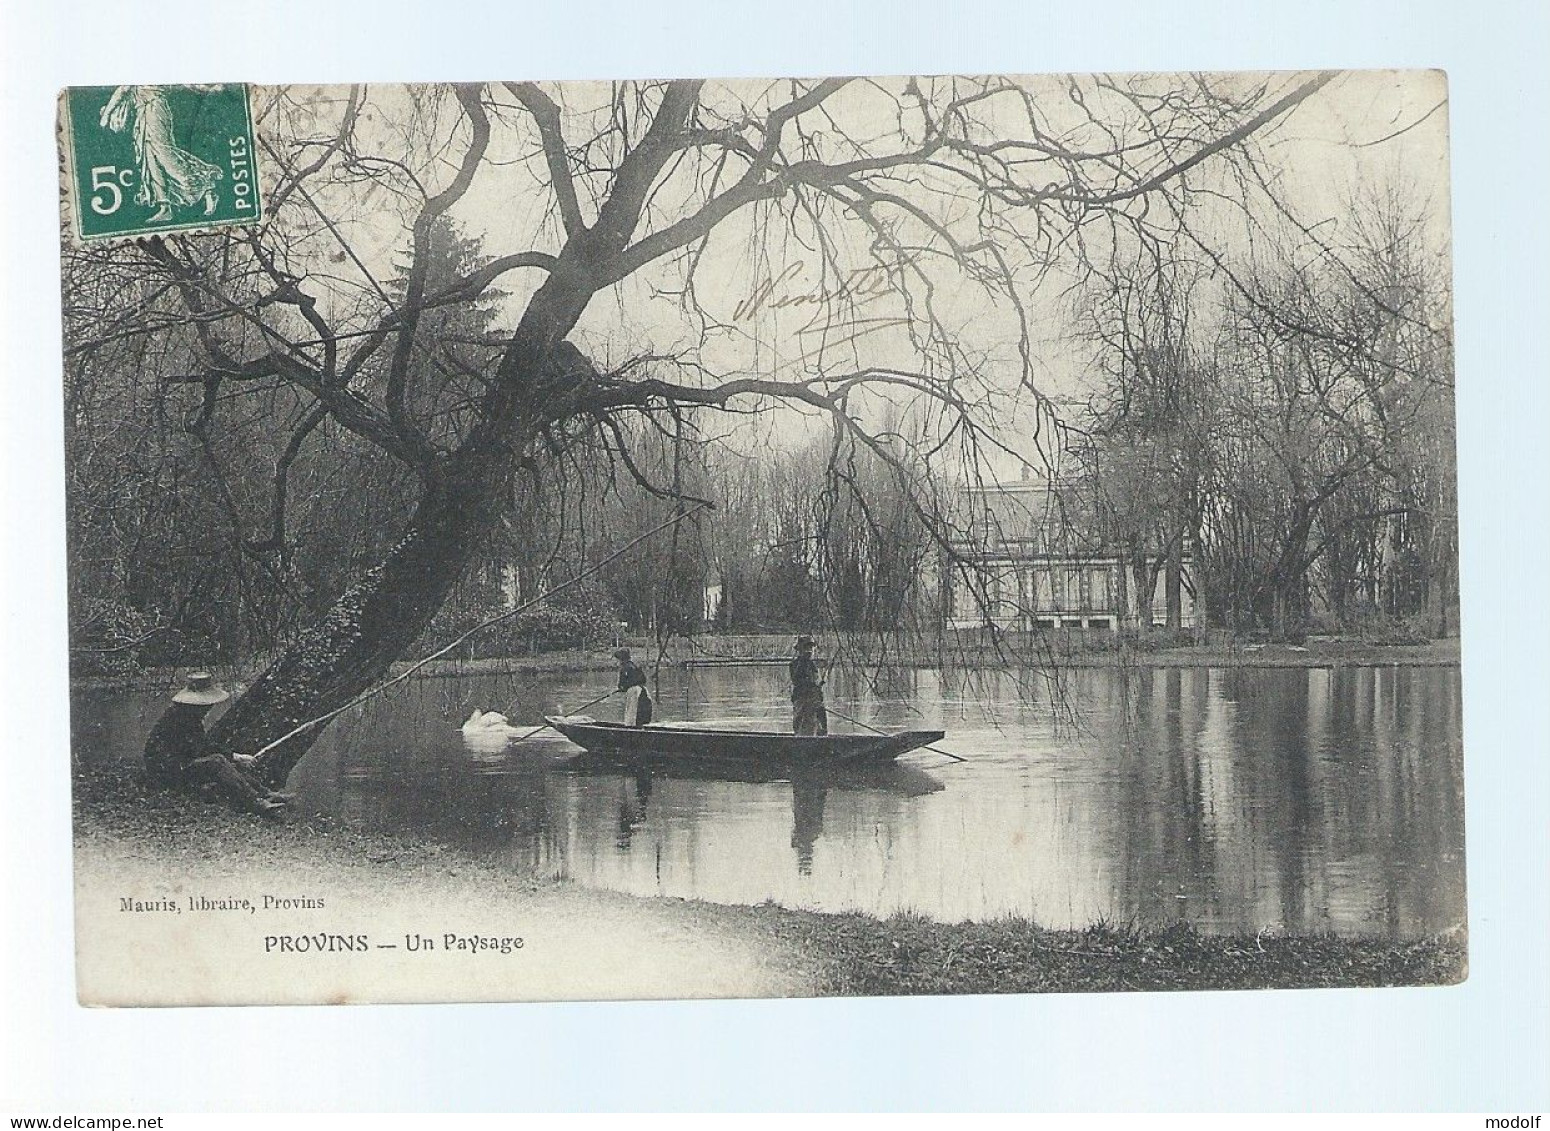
(1290, 424)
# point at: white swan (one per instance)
(488, 724)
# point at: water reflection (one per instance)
(1235, 799)
(809, 788)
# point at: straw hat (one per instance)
(804, 642)
(201, 691)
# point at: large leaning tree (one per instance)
(657, 249)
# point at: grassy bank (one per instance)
(762, 950)
(1315, 654)
(904, 954)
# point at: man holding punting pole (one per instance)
(807, 707)
(632, 681)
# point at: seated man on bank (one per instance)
(178, 753)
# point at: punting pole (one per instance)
(885, 734)
(583, 707)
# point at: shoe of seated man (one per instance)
(269, 807)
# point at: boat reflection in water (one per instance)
(639, 773)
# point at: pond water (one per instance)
(1306, 800)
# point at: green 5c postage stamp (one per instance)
(149, 159)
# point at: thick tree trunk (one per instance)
(1439, 597)
(1278, 614)
(353, 646)
(1341, 568)
(1145, 576)
(371, 625)
(1174, 584)
(1122, 603)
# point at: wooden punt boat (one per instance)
(741, 745)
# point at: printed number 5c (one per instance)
(102, 180)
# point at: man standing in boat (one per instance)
(632, 681)
(810, 717)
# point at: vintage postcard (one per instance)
(757, 538)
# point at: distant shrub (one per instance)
(1369, 626)
(108, 637)
(579, 617)
(1162, 639)
(1395, 630)
(546, 627)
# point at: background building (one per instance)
(1033, 554)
